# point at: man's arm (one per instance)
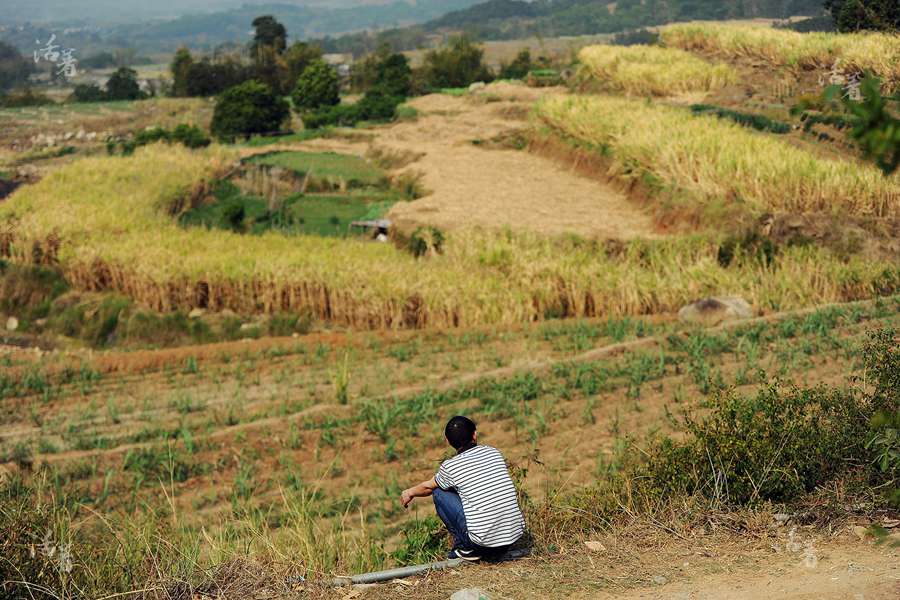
(422, 490)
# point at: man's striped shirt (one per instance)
(481, 478)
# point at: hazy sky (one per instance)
(106, 11)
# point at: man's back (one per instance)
(488, 495)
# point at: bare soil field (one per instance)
(477, 179)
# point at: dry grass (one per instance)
(104, 237)
(878, 53)
(652, 71)
(712, 160)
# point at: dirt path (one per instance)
(843, 568)
(489, 186)
(845, 573)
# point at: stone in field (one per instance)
(712, 311)
(12, 324)
(477, 86)
(196, 313)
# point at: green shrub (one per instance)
(426, 241)
(784, 441)
(87, 92)
(123, 85)
(248, 108)
(457, 65)
(317, 87)
(285, 324)
(519, 67)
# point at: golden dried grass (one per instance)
(112, 219)
(713, 160)
(878, 53)
(653, 71)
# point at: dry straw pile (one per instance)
(878, 53)
(711, 159)
(652, 71)
(108, 224)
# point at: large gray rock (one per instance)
(470, 594)
(712, 311)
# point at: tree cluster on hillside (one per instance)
(385, 78)
(121, 85)
(14, 68)
(862, 15)
(272, 62)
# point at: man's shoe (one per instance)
(467, 555)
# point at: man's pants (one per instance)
(450, 510)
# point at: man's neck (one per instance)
(465, 447)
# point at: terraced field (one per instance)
(241, 435)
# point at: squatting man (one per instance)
(473, 495)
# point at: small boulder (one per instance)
(196, 313)
(477, 86)
(712, 311)
(470, 594)
(12, 324)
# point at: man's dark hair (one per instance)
(459, 431)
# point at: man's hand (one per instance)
(418, 491)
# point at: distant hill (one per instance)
(189, 25)
(497, 19)
(512, 19)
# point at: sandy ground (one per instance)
(491, 186)
(857, 573)
(844, 568)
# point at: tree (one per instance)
(266, 50)
(180, 68)
(87, 92)
(394, 76)
(123, 85)
(317, 87)
(459, 64)
(519, 67)
(205, 78)
(248, 108)
(859, 15)
(268, 32)
(297, 58)
(14, 68)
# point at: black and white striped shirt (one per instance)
(482, 480)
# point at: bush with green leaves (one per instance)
(317, 87)
(459, 64)
(874, 127)
(426, 241)
(87, 92)
(248, 108)
(123, 85)
(189, 136)
(519, 67)
(784, 441)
